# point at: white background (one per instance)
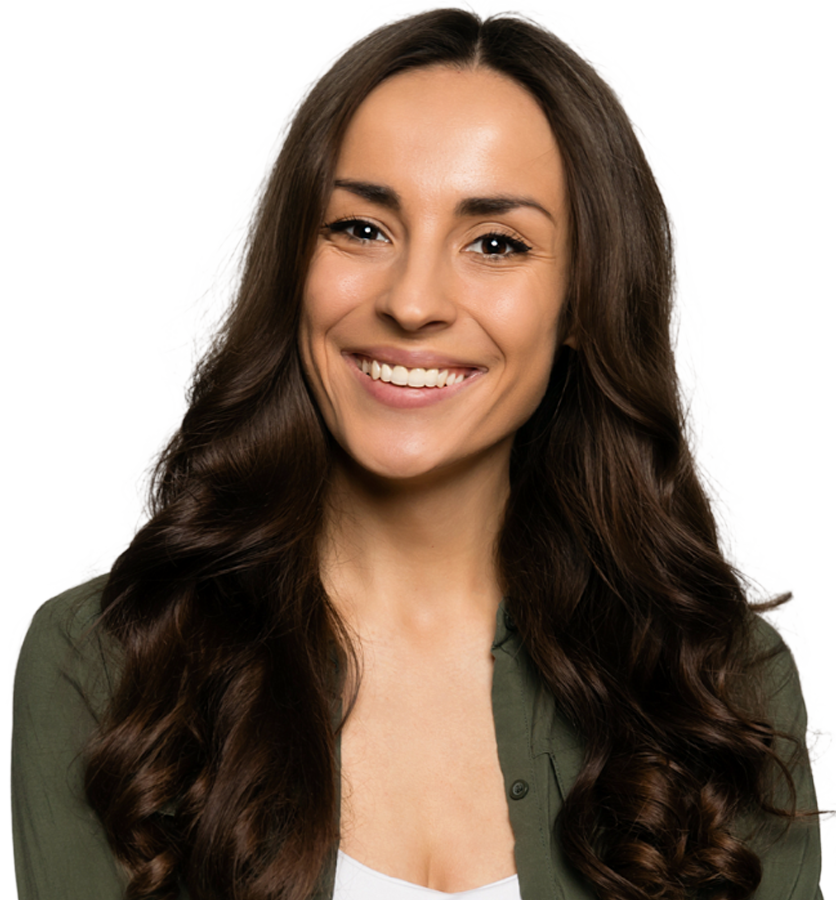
(136, 138)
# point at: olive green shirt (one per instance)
(64, 679)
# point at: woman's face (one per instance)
(444, 250)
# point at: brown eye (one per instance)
(358, 229)
(497, 246)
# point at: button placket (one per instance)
(514, 686)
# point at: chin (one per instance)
(384, 455)
(395, 466)
(417, 461)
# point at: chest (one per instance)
(423, 793)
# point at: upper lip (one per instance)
(413, 359)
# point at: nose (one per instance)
(418, 295)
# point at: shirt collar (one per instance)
(505, 630)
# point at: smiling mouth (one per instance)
(414, 378)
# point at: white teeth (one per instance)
(403, 377)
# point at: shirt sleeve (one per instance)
(62, 681)
(791, 857)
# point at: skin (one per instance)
(422, 273)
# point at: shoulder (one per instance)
(765, 638)
(773, 666)
(64, 647)
(790, 851)
(65, 618)
(63, 684)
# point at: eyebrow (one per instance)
(471, 206)
(374, 193)
(485, 206)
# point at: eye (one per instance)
(357, 230)
(497, 246)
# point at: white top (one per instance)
(355, 881)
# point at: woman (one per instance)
(431, 596)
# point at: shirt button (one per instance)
(510, 625)
(519, 789)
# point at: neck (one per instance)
(415, 556)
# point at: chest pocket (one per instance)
(556, 770)
(554, 736)
(566, 761)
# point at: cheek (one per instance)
(335, 287)
(524, 321)
(315, 364)
(326, 300)
(525, 324)
(338, 292)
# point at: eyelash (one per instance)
(342, 226)
(515, 246)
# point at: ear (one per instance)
(571, 341)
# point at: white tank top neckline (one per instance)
(354, 881)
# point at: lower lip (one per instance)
(406, 397)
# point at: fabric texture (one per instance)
(65, 676)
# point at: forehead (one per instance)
(441, 129)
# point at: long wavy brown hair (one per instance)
(214, 765)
